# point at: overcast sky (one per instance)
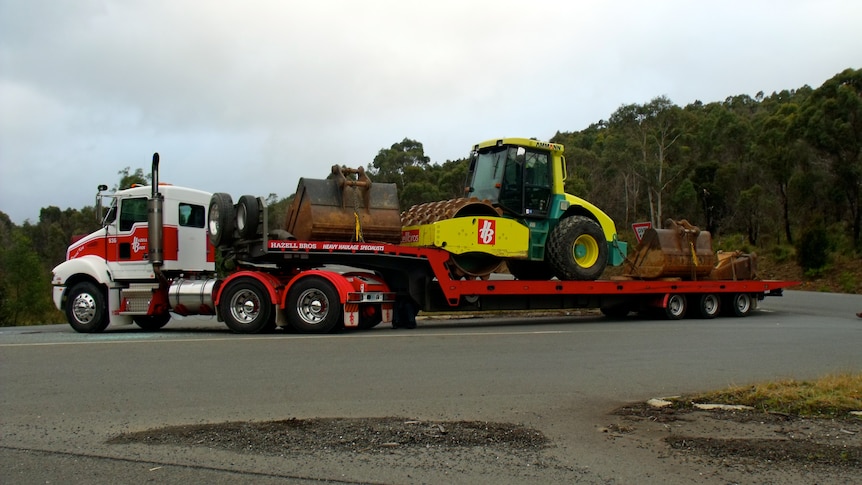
(247, 96)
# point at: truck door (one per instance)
(128, 253)
(192, 237)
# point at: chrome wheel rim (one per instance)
(312, 306)
(84, 308)
(245, 306)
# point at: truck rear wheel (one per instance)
(245, 307)
(86, 310)
(577, 249)
(151, 323)
(370, 317)
(313, 305)
(221, 219)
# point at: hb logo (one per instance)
(487, 231)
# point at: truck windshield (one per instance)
(110, 214)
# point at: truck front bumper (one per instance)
(58, 293)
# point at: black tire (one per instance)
(247, 216)
(676, 306)
(221, 219)
(86, 308)
(577, 249)
(530, 270)
(245, 307)
(151, 323)
(739, 304)
(370, 321)
(709, 305)
(313, 306)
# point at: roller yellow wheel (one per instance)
(577, 249)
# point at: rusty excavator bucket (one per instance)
(680, 250)
(345, 207)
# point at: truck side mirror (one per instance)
(103, 218)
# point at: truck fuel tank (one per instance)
(192, 297)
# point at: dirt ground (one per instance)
(729, 446)
(748, 446)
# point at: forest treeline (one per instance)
(782, 170)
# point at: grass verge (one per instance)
(831, 396)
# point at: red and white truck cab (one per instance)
(114, 274)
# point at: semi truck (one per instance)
(347, 256)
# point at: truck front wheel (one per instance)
(577, 249)
(86, 310)
(245, 307)
(313, 306)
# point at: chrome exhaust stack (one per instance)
(155, 220)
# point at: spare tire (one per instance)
(247, 216)
(221, 219)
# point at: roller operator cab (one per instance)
(524, 178)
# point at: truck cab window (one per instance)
(192, 215)
(132, 211)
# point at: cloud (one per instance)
(246, 97)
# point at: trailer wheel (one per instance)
(313, 305)
(247, 216)
(740, 304)
(245, 307)
(676, 306)
(86, 310)
(151, 323)
(529, 270)
(221, 219)
(709, 306)
(577, 249)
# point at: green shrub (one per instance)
(782, 253)
(847, 282)
(812, 251)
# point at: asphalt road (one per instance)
(63, 394)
